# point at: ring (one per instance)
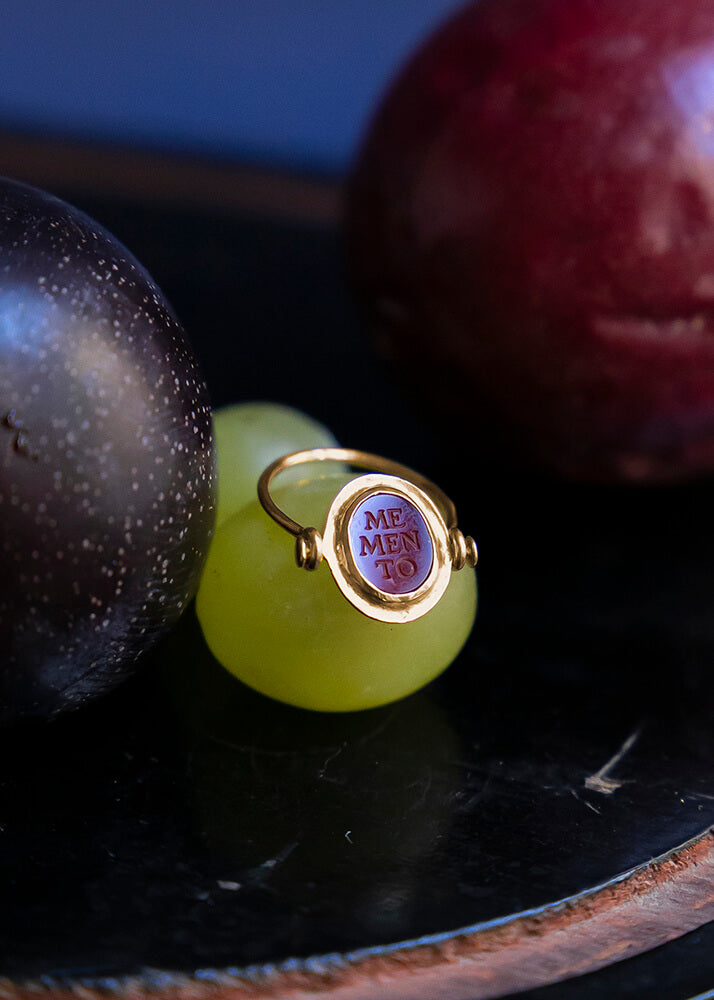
(390, 538)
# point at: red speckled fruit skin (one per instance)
(531, 229)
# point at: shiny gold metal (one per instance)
(414, 497)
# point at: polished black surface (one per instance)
(185, 822)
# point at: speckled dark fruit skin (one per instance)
(106, 458)
(531, 229)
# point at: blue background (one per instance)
(286, 82)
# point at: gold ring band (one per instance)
(390, 538)
(358, 459)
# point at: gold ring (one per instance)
(390, 538)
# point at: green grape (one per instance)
(293, 636)
(249, 436)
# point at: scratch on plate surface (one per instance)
(331, 757)
(601, 780)
(279, 857)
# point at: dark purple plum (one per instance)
(106, 458)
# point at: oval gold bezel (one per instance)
(367, 598)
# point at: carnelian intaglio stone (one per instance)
(390, 543)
